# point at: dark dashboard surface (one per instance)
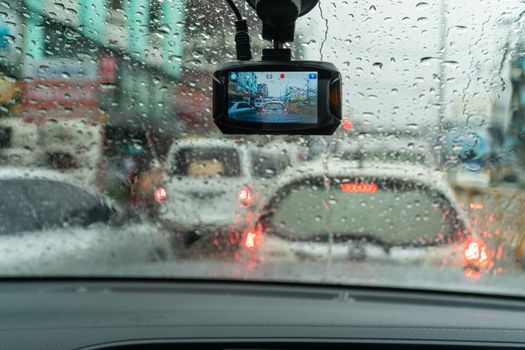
(57, 314)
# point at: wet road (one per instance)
(278, 118)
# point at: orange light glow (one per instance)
(476, 205)
(359, 187)
(477, 254)
(472, 274)
(160, 194)
(245, 196)
(347, 125)
(250, 239)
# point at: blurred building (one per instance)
(135, 64)
(262, 90)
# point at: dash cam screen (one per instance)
(273, 97)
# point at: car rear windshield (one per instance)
(45, 204)
(268, 165)
(274, 106)
(207, 162)
(364, 208)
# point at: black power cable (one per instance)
(235, 9)
(242, 37)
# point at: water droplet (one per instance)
(427, 59)
(476, 121)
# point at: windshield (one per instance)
(106, 108)
(274, 106)
(298, 212)
(206, 162)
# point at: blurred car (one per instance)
(160, 193)
(373, 211)
(269, 161)
(240, 108)
(259, 102)
(206, 187)
(55, 217)
(274, 107)
(73, 147)
(396, 149)
(265, 163)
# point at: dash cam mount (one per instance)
(278, 18)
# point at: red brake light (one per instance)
(160, 194)
(245, 196)
(477, 254)
(251, 238)
(359, 187)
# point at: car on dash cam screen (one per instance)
(273, 97)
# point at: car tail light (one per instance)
(160, 194)
(477, 254)
(252, 238)
(359, 187)
(245, 196)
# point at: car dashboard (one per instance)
(187, 315)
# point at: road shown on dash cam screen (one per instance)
(277, 118)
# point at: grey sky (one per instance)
(389, 53)
(277, 86)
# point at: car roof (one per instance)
(12, 173)
(411, 172)
(195, 143)
(371, 143)
(204, 143)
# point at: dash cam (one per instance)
(297, 97)
(275, 95)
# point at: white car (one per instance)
(73, 147)
(393, 148)
(207, 184)
(269, 161)
(346, 211)
(49, 220)
(240, 109)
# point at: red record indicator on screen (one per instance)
(282, 75)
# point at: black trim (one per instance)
(294, 344)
